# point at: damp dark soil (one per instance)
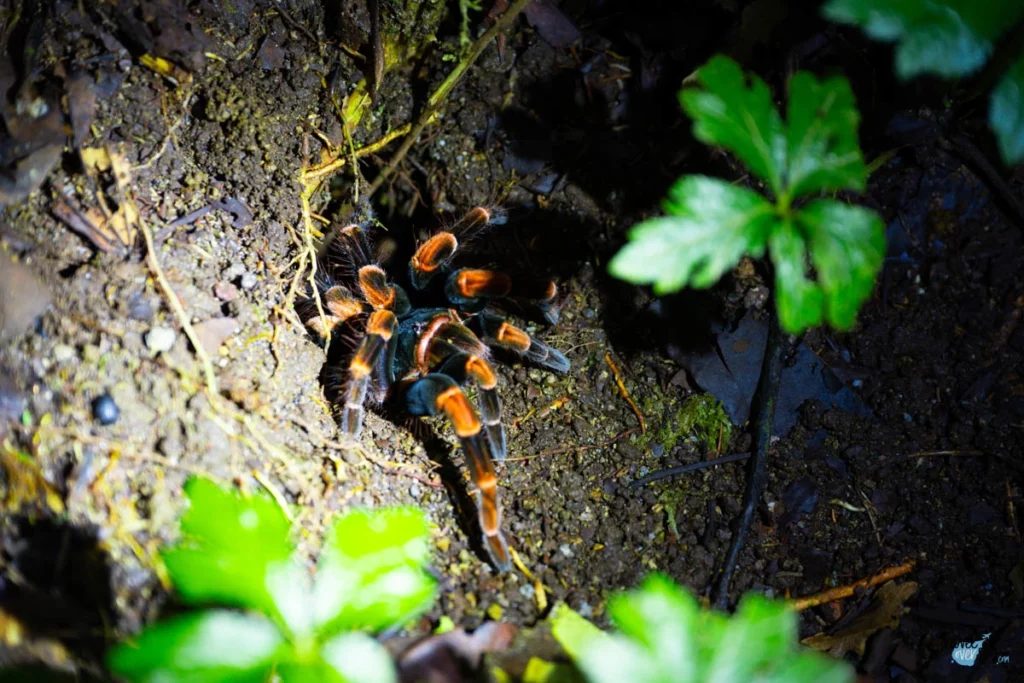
(577, 143)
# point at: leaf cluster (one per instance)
(710, 224)
(236, 553)
(951, 39)
(665, 637)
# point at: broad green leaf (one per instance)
(947, 38)
(210, 646)
(1006, 115)
(821, 135)
(847, 248)
(662, 617)
(762, 632)
(573, 632)
(804, 666)
(727, 113)
(358, 658)
(232, 547)
(711, 225)
(619, 659)
(372, 572)
(798, 299)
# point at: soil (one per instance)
(578, 144)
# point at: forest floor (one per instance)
(578, 143)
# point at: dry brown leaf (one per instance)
(884, 612)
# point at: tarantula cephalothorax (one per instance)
(421, 350)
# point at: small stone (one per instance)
(105, 411)
(414, 491)
(24, 298)
(225, 291)
(62, 353)
(212, 333)
(160, 339)
(248, 281)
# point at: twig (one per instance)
(176, 307)
(296, 24)
(275, 493)
(684, 469)
(840, 592)
(922, 454)
(625, 394)
(438, 97)
(767, 391)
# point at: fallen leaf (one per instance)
(884, 612)
(212, 333)
(442, 658)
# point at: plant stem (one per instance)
(438, 97)
(767, 393)
(684, 469)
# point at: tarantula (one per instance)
(423, 349)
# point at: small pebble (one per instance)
(160, 339)
(225, 291)
(104, 410)
(62, 353)
(248, 281)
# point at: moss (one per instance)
(700, 415)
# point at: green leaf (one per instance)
(573, 632)
(234, 549)
(372, 571)
(847, 248)
(804, 666)
(821, 135)
(742, 119)
(215, 645)
(356, 657)
(947, 38)
(762, 632)
(1006, 115)
(662, 617)
(711, 225)
(799, 300)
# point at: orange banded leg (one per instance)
(373, 283)
(469, 286)
(499, 332)
(436, 393)
(541, 294)
(430, 257)
(463, 367)
(436, 253)
(379, 329)
(339, 306)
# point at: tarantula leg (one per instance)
(499, 332)
(436, 393)
(541, 294)
(339, 306)
(470, 287)
(359, 248)
(464, 366)
(379, 329)
(437, 252)
(373, 283)
(431, 256)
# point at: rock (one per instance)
(248, 281)
(105, 410)
(62, 353)
(212, 333)
(160, 339)
(23, 298)
(225, 291)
